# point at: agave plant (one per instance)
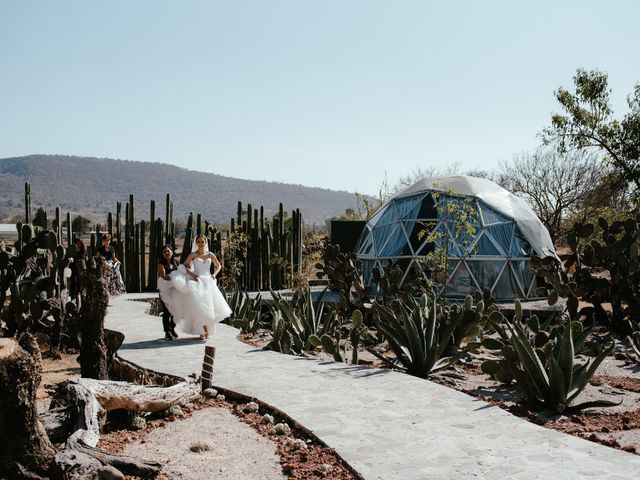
(296, 320)
(546, 372)
(246, 311)
(416, 335)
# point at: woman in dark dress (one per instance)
(166, 265)
(104, 251)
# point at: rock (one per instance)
(267, 419)
(106, 472)
(250, 407)
(138, 423)
(325, 469)
(220, 398)
(210, 393)
(175, 410)
(281, 429)
(295, 444)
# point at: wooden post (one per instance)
(207, 366)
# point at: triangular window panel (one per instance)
(501, 234)
(407, 208)
(485, 271)
(519, 247)
(490, 216)
(484, 247)
(407, 250)
(381, 234)
(507, 287)
(390, 214)
(366, 247)
(460, 283)
(395, 242)
(420, 232)
(525, 274)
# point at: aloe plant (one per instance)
(246, 311)
(416, 335)
(544, 367)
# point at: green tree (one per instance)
(588, 121)
(79, 224)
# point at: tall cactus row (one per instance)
(274, 250)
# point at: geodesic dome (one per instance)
(487, 234)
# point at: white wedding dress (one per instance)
(192, 303)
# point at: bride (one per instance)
(192, 295)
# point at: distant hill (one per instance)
(92, 187)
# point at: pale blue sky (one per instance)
(321, 93)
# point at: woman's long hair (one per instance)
(161, 258)
(83, 250)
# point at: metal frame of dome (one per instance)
(496, 257)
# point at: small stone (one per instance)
(174, 410)
(250, 407)
(210, 393)
(107, 472)
(296, 444)
(325, 469)
(281, 429)
(267, 419)
(138, 423)
(220, 398)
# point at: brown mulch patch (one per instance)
(624, 383)
(589, 426)
(314, 462)
(472, 368)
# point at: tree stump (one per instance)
(24, 445)
(93, 351)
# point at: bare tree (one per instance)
(557, 186)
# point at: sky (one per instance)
(335, 93)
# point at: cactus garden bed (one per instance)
(617, 380)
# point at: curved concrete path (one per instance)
(387, 425)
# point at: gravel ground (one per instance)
(225, 448)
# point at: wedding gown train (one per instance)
(192, 303)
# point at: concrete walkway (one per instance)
(387, 425)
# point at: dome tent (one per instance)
(494, 253)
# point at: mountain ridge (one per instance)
(92, 186)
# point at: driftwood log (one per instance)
(24, 446)
(78, 409)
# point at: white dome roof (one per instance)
(496, 197)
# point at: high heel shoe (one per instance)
(173, 333)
